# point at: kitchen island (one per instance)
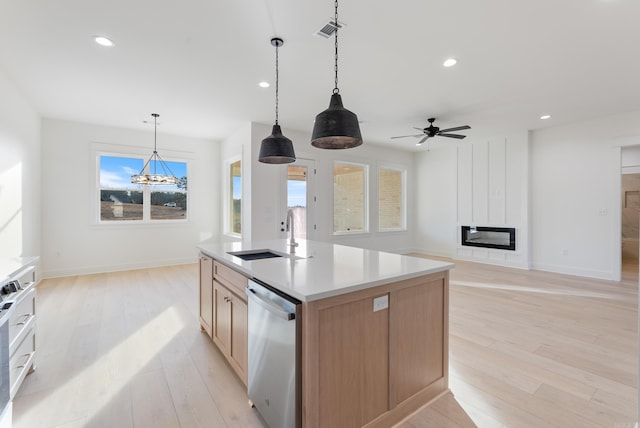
(374, 325)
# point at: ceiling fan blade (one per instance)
(405, 136)
(459, 137)
(422, 141)
(457, 128)
(419, 129)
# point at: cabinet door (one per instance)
(221, 317)
(206, 294)
(238, 348)
(417, 338)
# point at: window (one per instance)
(391, 196)
(349, 198)
(121, 200)
(235, 198)
(297, 197)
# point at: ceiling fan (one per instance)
(433, 131)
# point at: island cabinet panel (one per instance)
(206, 294)
(354, 364)
(417, 344)
(371, 366)
(229, 330)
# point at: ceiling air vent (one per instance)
(329, 28)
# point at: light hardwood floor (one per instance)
(527, 349)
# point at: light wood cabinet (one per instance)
(369, 367)
(206, 294)
(230, 317)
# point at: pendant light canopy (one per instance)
(336, 127)
(145, 177)
(276, 148)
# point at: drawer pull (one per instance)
(25, 318)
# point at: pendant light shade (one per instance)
(276, 148)
(336, 127)
(145, 177)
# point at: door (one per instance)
(299, 196)
(206, 294)
(221, 317)
(238, 348)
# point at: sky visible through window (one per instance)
(116, 172)
(296, 193)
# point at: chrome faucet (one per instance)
(292, 241)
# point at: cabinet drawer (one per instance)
(229, 277)
(22, 360)
(22, 315)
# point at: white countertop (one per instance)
(318, 269)
(11, 266)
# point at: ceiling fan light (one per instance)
(336, 127)
(276, 148)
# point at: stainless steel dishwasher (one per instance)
(273, 378)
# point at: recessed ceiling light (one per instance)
(545, 116)
(450, 62)
(103, 41)
(264, 84)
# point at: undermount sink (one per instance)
(254, 254)
(262, 254)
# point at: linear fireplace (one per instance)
(502, 238)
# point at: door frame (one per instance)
(310, 164)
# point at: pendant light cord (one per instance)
(277, 82)
(155, 139)
(335, 89)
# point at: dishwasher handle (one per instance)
(287, 316)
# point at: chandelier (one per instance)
(166, 177)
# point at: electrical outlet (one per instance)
(380, 303)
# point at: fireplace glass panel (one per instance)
(489, 237)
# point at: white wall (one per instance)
(480, 182)
(261, 203)
(72, 240)
(575, 195)
(436, 200)
(19, 174)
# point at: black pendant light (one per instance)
(336, 127)
(276, 148)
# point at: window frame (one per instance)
(146, 190)
(403, 203)
(365, 202)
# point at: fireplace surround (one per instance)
(502, 238)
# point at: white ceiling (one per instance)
(198, 62)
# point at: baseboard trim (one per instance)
(90, 270)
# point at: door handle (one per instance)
(287, 316)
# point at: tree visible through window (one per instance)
(121, 200)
